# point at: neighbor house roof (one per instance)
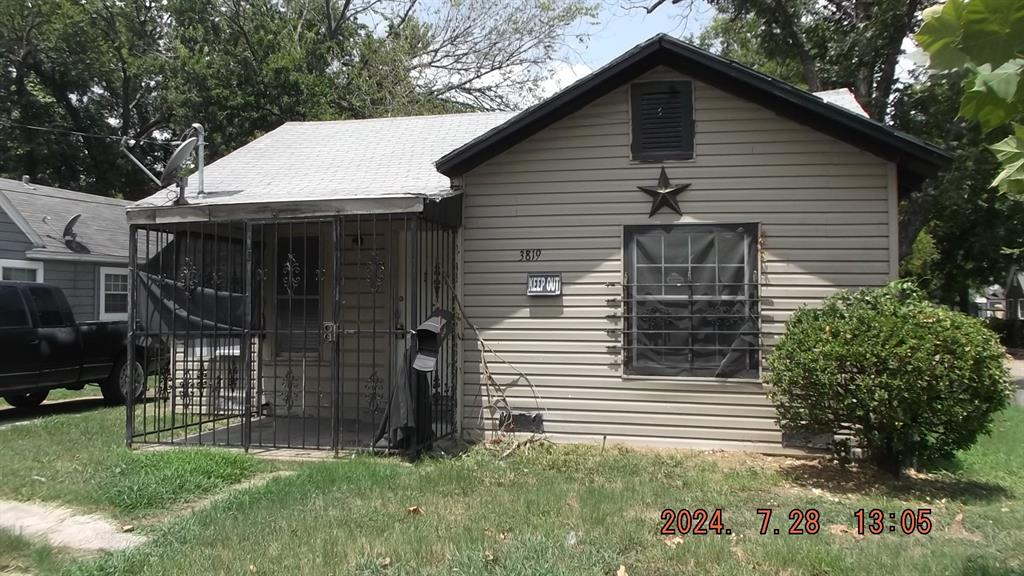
(41, 212)
(380, 158)
(916, 158)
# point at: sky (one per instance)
(617, 29)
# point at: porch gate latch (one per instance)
(329, 331)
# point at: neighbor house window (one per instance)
(662, 120)
(113, 293)
(298, 294)
(691, 301)
(21, 270)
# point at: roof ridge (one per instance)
(62, 193)
(408, 117)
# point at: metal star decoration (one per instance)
(664, 194)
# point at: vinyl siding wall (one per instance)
(80, 283)
(828, 221)
(13, 242)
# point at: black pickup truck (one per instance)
(42, 347)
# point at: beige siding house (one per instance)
(820, 211)
(827, 218)
(617, 262)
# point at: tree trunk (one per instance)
(887, 459)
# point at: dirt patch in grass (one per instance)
(827, 478)
(64, 528)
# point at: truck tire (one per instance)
(27, 399)
(116, 387)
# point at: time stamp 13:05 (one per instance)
(798, 521)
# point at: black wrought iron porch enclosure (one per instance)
(296, 333)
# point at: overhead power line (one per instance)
(82, 134)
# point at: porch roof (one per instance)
(373, 165)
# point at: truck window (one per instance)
(47, 306)
(12, 309)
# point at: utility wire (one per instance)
(82, 134)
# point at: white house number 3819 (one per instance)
(529, 255)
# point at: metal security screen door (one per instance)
(292, 334)
(691, 301)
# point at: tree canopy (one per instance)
(147, 69)
(985, 38)
(971, 232)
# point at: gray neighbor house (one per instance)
(88, 260)
(611, 264)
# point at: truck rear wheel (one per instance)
(27, 399)
(124, 382)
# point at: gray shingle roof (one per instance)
(103, 228)
(373, 158)
(844, 98)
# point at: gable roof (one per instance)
(102, 229)
(335, 160)
(916, 158)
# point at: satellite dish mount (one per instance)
(171, 171)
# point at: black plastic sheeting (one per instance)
(167, 307)
(691, 301)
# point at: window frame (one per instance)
(104, 315)
(36, 265)
(637, 157)
(626, 370)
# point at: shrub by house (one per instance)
(911, 380)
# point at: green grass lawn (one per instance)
(554, 510)
(80, 460)
(89, 391)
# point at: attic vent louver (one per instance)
(662, 114)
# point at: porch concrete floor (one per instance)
(290, 432)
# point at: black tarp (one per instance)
(164, 306)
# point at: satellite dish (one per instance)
(69, 234)
(181, 154)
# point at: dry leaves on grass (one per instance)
(621, 571)
(741, 554)
(844, 530)
(503, 536)
(414, 510)
(957, 529)
(384, 562)
(674, 541)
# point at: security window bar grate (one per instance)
(691, 301)
(298, 271)
(292, 333)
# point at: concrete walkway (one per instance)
(1017, 376)
(64, 528)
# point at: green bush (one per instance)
(911, 381)
(1000, 326)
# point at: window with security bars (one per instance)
(691, 301)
